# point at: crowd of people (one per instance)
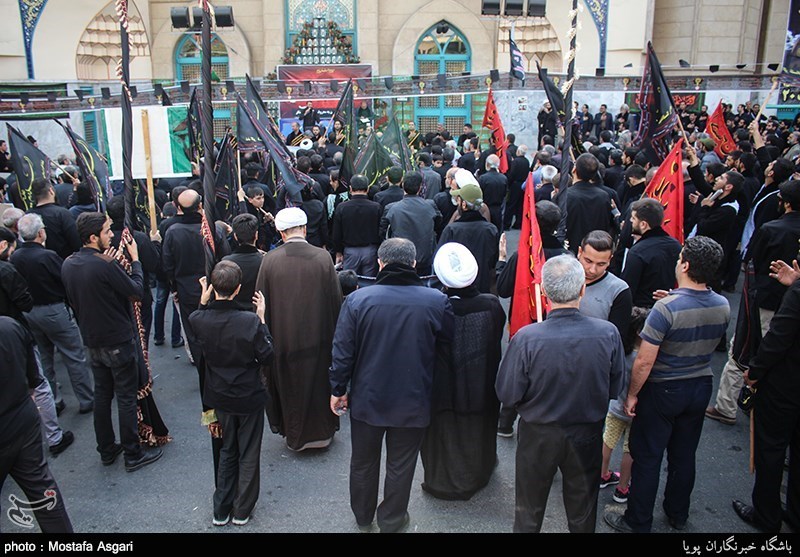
(383, 301)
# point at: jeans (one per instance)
(46, 404)
(669, 416)
(162, 299)
(53, 328)
(116, 373)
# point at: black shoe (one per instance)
(66, 440)
(748, 514)
(111, 457)
(617, 522)
(365, 528)
(178, 344)
(60, 406)
(399, 528)
(148, 456)
(676, 524)
(86, 409)
(158, 341)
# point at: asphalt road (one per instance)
(308, 492)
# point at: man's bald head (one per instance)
(189, 201)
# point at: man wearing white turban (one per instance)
(459, 450)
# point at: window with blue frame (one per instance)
(442, 49)
(188, 62)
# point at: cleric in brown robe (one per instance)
(303, 298)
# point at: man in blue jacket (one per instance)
(389, 385)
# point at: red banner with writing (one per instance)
(491, 121)
(528, 301)
(718, 131)
(667, 188)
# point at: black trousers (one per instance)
(402, 448)
(777, 426)
(238, 475)
(116, 373)
(25, 462)
(576, 450)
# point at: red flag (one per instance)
(491, 120)
(529, 301)
(718, 131)
(667, 188)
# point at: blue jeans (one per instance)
(162, 298)
(669, 416)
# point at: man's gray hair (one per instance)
(493, 162)
(549, 149)
(29, 227)
(522, 150)
(548, 173)
(11, 217)
(562, 279)
(398, 250)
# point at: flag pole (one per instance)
(207, 117)
(766, 100)
(148, 163)
(568, 108)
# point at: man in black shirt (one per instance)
(50, 322)
(236, 343)
(494, 187)
(650, 263)
(394, 192)
(60, 224)
(588, 205)
(21, 454)
(100, 292)
(310, 116)
(246, 256)
(355, 230)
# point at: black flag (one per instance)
(554, 95)
(659, 116)
(193, 124)
(93, 167)
(395, 142)
(374, 160)
(345, 114)
(517, 64)
(226, 184)
(29, 163)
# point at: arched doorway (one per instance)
(442, 49)
(188, 62)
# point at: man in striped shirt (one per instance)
(670, 386)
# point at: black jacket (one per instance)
(494, 187)
(392, 194)
(234, 345)
(62, 234)
(20, 374)
(467, 161)
(41, 268)
(149, 257)
(588, 208)
(356, 223)
(183, 257)
(390, 385)
(15, 298)
(776, 240)
(777, 362)
(248, 258)
(100, 292)
(317, 227)
(480, 237)
(650, 266)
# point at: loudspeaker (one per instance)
(134, 91)
(197, 18)
(599, 72)
(51, 96)
(281, 87)
(79, 94)
(334, 85)
(230, 86)
(307, 86)
(490, 8)
(442, 80)
(389, 83)
(180, 18)
(362, 84)
(158, 90)
(514, 8)
(713, 68)
(537, 8)
(105, 92)
(684, 64)
(494, 75)
(223, 16)
(773, 67)
(24, 98)
(185, 87)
